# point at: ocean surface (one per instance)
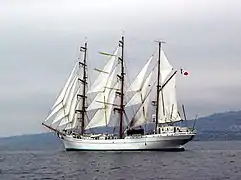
(201, 160)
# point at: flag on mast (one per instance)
(184, 72)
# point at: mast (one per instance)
(84, 81)
(158, 84)
(121, 44)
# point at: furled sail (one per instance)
(102, 79)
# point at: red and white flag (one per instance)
(184, 72)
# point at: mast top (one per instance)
(160, 41)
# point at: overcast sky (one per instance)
(39, 42)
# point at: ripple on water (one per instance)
(202, 161)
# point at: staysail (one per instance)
(137, 84)
(143, 96)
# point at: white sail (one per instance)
(60, 106)
(135, 100)
(170, 113)
(70, 118)
(63, 92)
(136, 85)
(146, 86)
(67, 102)
(102, 97)
(140, 117)
(73, 107)
(69, 126)
(74, 118)
(165, 67)
(144, 96)
(55, 110)
(138, 97)
(102, 116)
(102, 79)
(64, 121)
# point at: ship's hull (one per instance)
(138, 143)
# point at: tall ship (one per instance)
(113, 115)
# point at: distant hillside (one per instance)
(219, 126)
(229, 121)
(44, 141)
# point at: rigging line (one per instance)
(179, 106)
(88, 119)
(144, 100)
(105, 109)
(111, 89)
(65, 126)
(64, 94)
(116, 49)
(165, 83)
(67, 114)
(132, 108)
(98, 108)
(143, 109)
(184, 112)
(126, 117)
(150, 62)
(75, 108)
(146, 76)
(128, 79)
(105, 87)
(60, 119)
(68, 88)
(113, 69)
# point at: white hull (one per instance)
(131, 143)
